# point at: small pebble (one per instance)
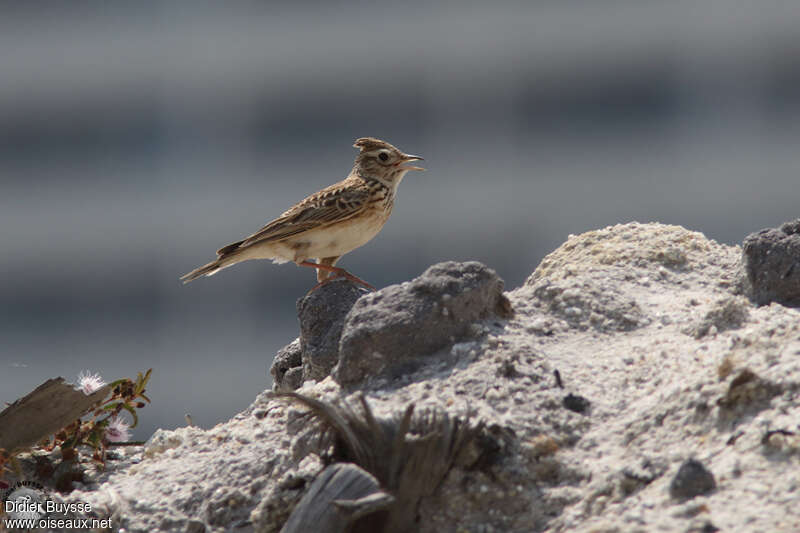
(692, 479)
(576, 403)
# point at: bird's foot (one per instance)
(336, 272)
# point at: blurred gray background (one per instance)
(136, 138)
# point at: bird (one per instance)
(329, 223)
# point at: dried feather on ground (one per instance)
(408, 456)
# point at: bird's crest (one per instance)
(368, 144)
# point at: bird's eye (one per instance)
(383, 156)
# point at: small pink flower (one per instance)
(118, 430)
(89, 383)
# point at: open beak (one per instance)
(408, 158)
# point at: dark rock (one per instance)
(287, 368)
(322, 314)
(392, 327)
(692, 479)
(576, 403)
(772, 264)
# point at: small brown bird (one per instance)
(329, 223)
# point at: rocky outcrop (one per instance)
(386, 334)
(287, 367)
(322, 315)
(632, 389)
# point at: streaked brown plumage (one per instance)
(329, 223)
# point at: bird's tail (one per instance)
(206, 270)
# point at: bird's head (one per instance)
(382, 161)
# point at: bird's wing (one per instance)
(333, 204)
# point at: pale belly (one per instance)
(332, 241)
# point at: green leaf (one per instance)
(141, 381)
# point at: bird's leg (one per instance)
(323, 275)
(336, 271)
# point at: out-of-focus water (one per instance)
(136, 141)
